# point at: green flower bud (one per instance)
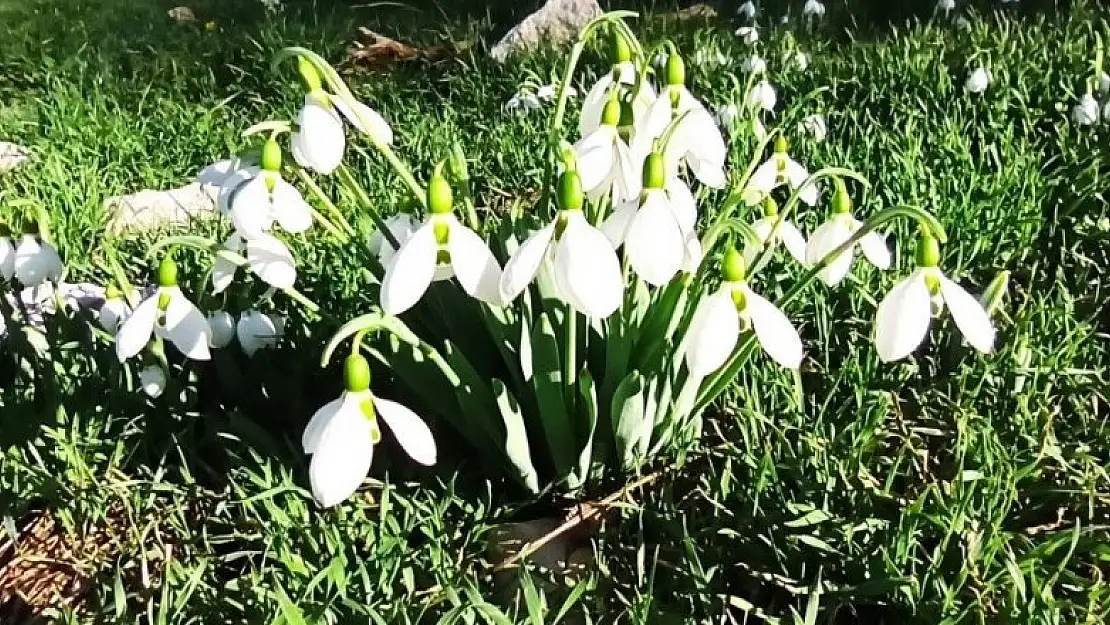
(440, 199)
(732, 267)
(271, 155)
(676, 70)
(781, 144)
(356, 374)
(611, 114)
(167, 272)
(620, 49)
(570, 196)
(770, 207)
(653, 171)
(928, 251)
(308, 73)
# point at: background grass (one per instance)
(951, 488)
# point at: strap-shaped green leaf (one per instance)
(517, 448)
(547, 382)
(587, 407)
(630, 418)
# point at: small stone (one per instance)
(182, 14)
(12, 155)
(556, 22)
(151, 209)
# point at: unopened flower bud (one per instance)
(356, 374)
(676, 70)
(928, 251)
(308, 73)
(440, 198)
(654, 176)
(570, 195)
(271, 155)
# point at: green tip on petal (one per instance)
(308, 73)
(676, 69)
(570, 195)
(770, 207)
(620, 50)
(440, 197)
(781, 144)
(928, 251)
(271, 155)
(732, 267)
(356, 374)
(653, 171)
(167, 272)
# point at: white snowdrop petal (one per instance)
(474, 264)
(318, 424)
(586, 269)
(343, 455)
(409, 429)
(251, 212)
(186, 327)
(523, 265)
(319, 138)
(655, 244)
(153, 381)
(682, 203)
(596, 155)
(793, 240)
(969, 315)
(135, 332)
(773, 330)
(411, 272)
(594, 105)
(764, 179)
(221, 329)
(272, 261)
(903, 318)
(289, 208)
(615, 226)
(7, 258)
(256, 331)
(875, 249)
(36, 262)
(112, 313)
(366, 120)
(829, 236)
(713, 333)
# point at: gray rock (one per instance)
(556, 22)
(151, 209)
(12, 155)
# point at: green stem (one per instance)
(328, 225)
(364, 199)
(303, 300)
(325, 200)
(570, 359)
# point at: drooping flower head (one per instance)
(35, 261)
(622, 78)
(733, 308)
(268, 198)
(319, 140)
(168, 314)
(342, 434)
(780, 170)
(773, 230)
(904, 315)
(605, 161)
(440, 249)
(585, 269)
(841, 227)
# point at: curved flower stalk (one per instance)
(773, 230)
(586, 271)
(623, 81)
(319, 142)
(657, 229)
(721, 317)
(904, 315)
(841, 227)
(440, 249)
(695, 140)
(342, 434)
(167, 314)
(604, 160)
(777, 171)
(267, 198)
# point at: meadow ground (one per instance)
(953, 488)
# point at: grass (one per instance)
(952, 488)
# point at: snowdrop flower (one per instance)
(962, 23)
(763, 96)
(319, 141)
(784, 232)
(1103, 84)
(115, 309)
(227, 176)
(904, 315)
(401, 226)
(168, 314)
(548, 93)
(1086, 111)
(978, 80)
(714, 58)
(586, 271)
(726, 115)
(779, 170)
(153, 381)
(7, 254)
(813, 9)
(267, 257)
(36, 261)
(256, 330)
(721, 317)
(440, 249)
(946, 6)
(696, 140)
(815, 126)
(268, 198)
(604, 160)
(623, 77)
(755, 65)
(748, 34)
(746, 11)
(342, 434)
(840, 227)
(800, 60)
(221, 329)
(522, 103)
(656, 228)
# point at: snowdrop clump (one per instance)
(620, 304)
